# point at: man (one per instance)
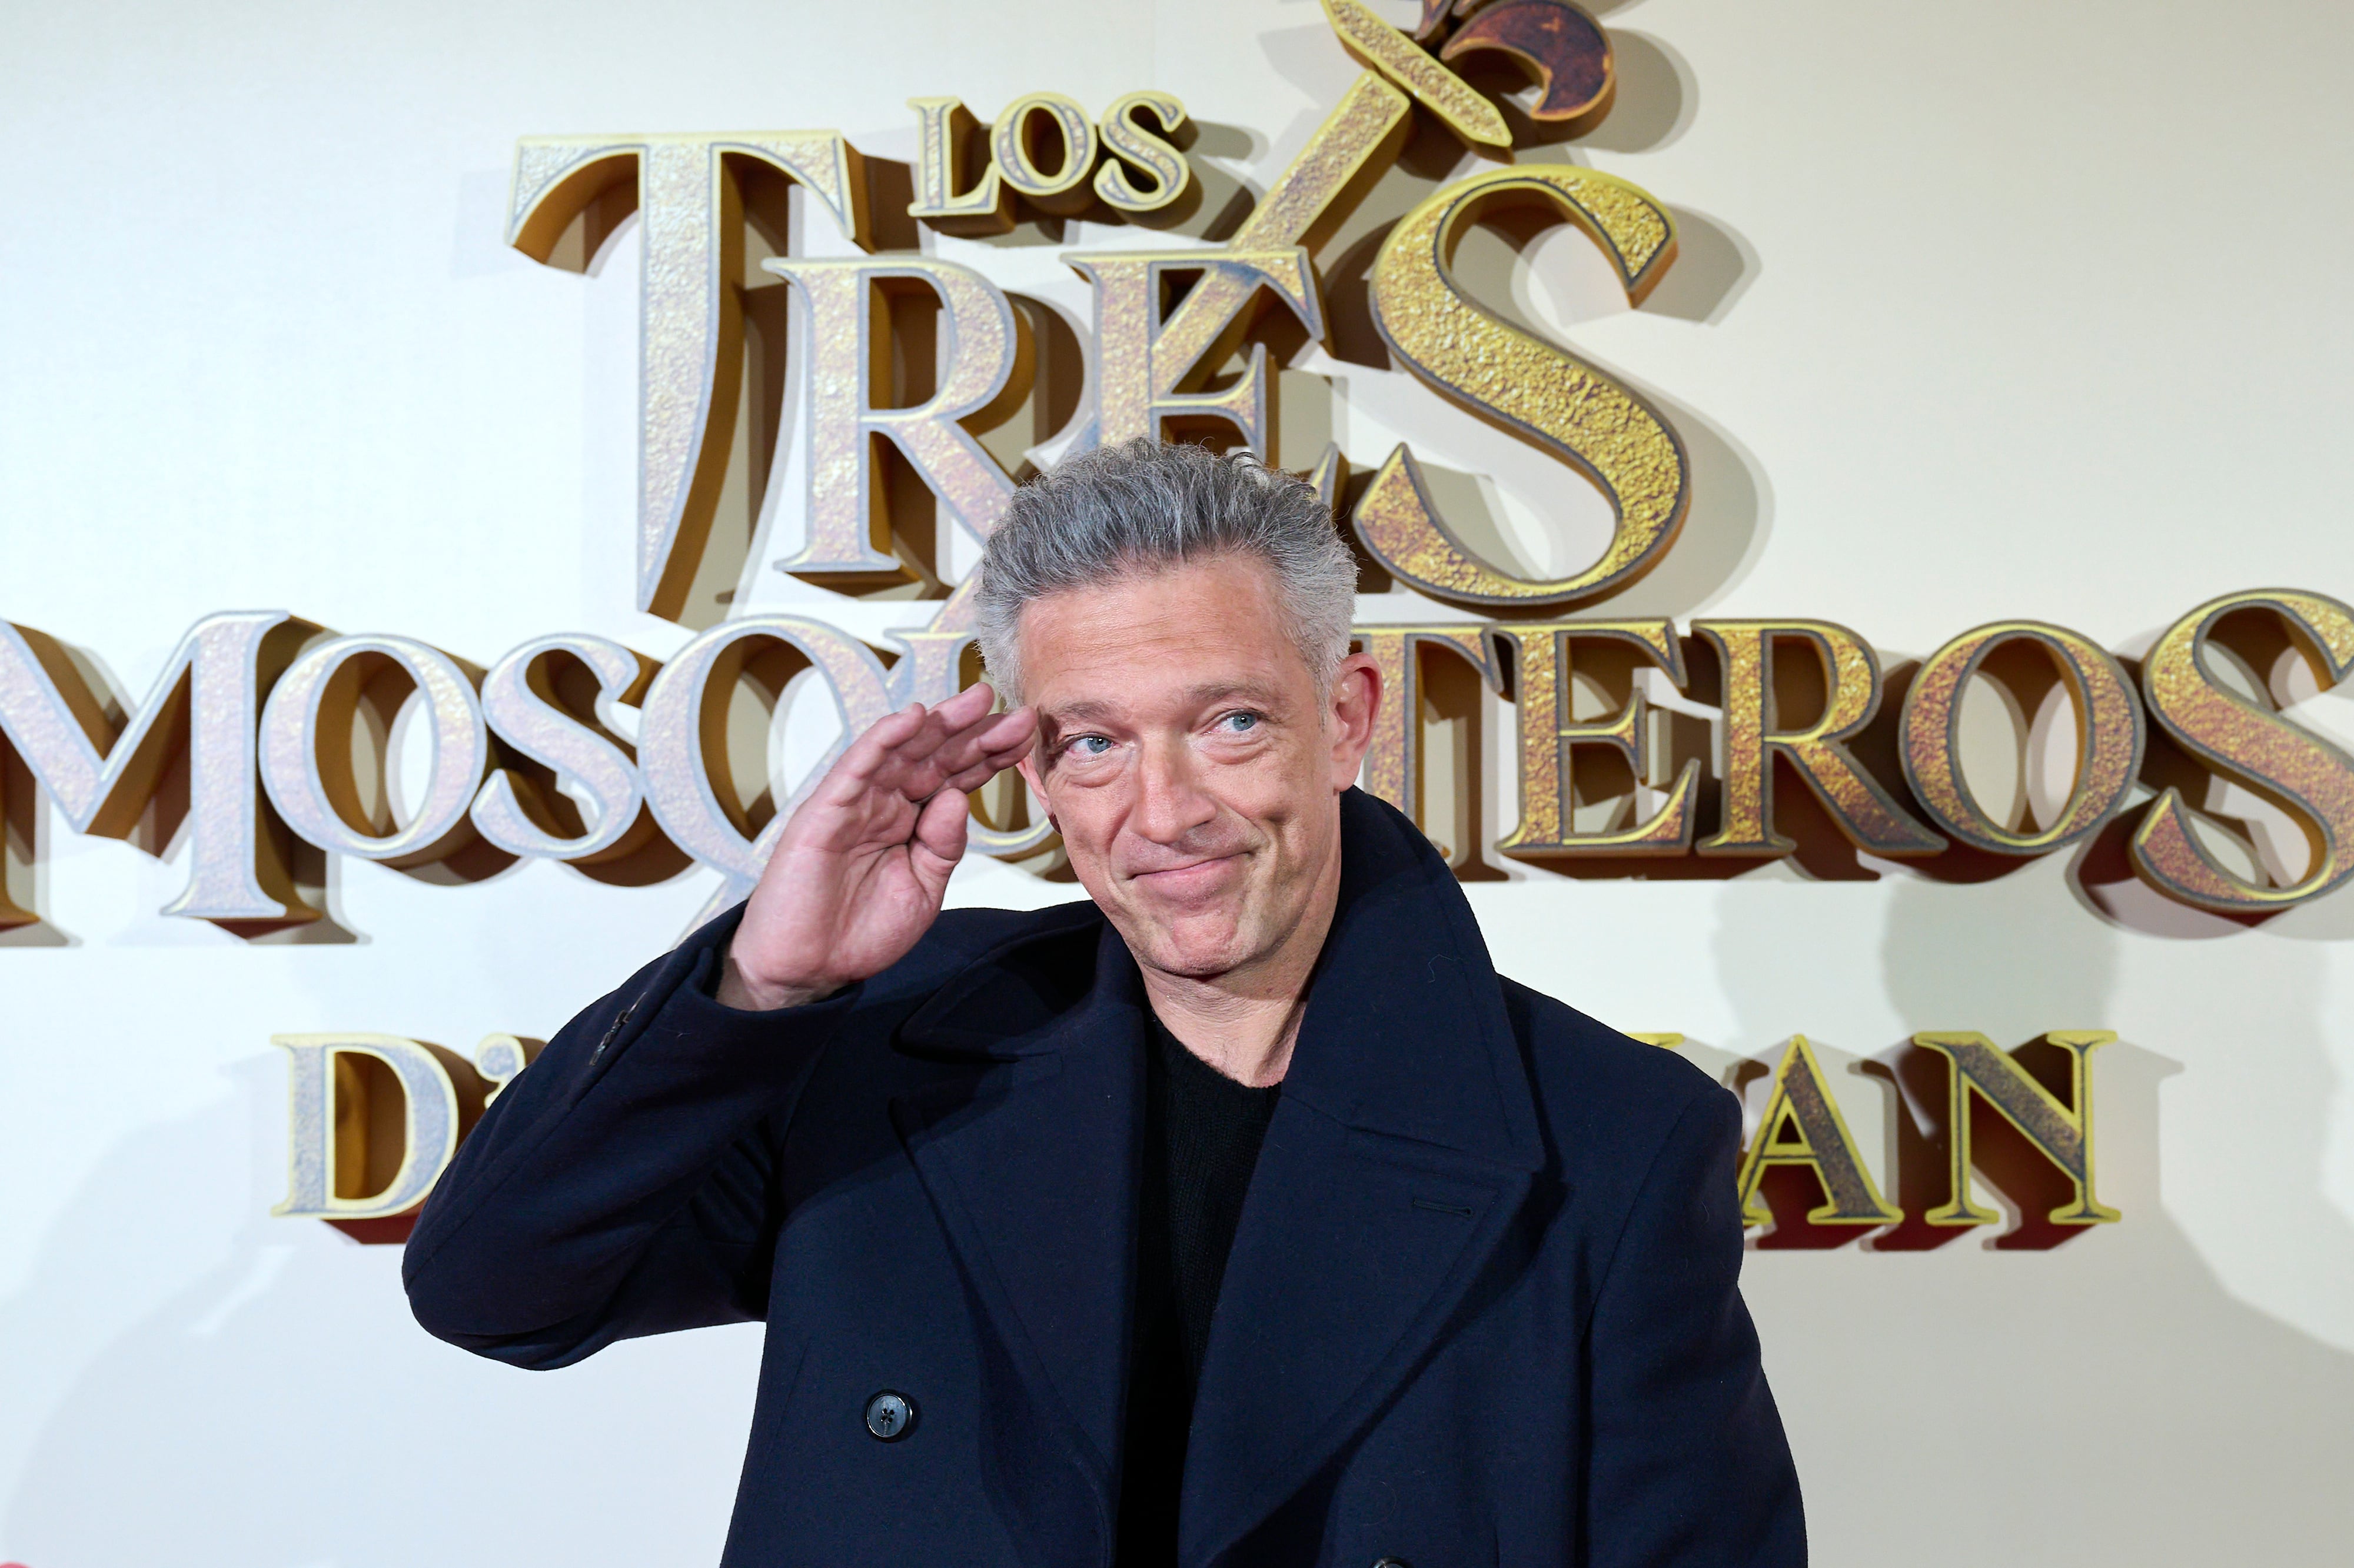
(1241, 1215)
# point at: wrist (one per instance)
(748, 993)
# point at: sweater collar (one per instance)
(1404, 1034)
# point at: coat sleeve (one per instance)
(1689, 1464)
(622, 1185)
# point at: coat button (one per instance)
(889, 1416)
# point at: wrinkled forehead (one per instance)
(1160, 637)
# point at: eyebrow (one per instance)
(1084, 711)
(1219, 690)
(1075, 712)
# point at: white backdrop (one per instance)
(2017, 310)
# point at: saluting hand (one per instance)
(858, 875)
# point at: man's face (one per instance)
(1192, 760)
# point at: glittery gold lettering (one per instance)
(1546, 395)
(2314, 779)
(1393, 761)
(1145, 369)
(2109, 730)
(1549, 738)
(1755, 735)
(1802, 1126)
(848, 337)
(691, 331)
(103, 775)
(2061, 1134)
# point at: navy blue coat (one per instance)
(1482, 1307)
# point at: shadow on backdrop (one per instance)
(245, 1390)
(2102, 1399)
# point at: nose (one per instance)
(1170, 801)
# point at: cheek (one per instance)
(1084, 814)
(1279, 783)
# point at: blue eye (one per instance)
(1090, 744)
(1242, 723)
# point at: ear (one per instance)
(1355, 702)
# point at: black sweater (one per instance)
(1202, 1135)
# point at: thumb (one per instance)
(941, 833)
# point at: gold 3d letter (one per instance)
(1549, 736)
(1130, 143)
(1340, 161)
(944, 145)
(1144, 366)
(1379, 47)
(691, 332)
(1554, 399)
(1802, 1126)
(1393, 761)
(306, 748)
(849, 335)
(347, 1156)
(2311, 778)
(2109, 736)
(2060, 1134)
(1755, 735)
(521, 705)
(1065, 188)
(101, 775)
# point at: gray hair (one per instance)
(1142, 507)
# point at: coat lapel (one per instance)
(1402, 1148)
(1029, 1160)
(1399, 1155)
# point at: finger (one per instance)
(985, 770)
(1006, 734)
(1015, 735)
(900, 766)
(942, 720)
(1000, 744)
(940, 828)
(864, 759)
(967, 706)
(1010, 730)
(974, 777)
(941, 724)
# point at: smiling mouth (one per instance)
(1183, 878)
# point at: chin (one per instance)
(1197, 948)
